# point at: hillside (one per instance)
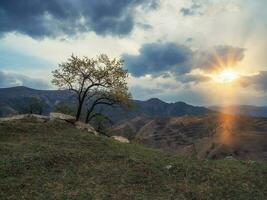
(12, 100)
(207, 136)
(53, 160)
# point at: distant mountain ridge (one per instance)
(11, 99)
(246, 110)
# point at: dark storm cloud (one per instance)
(159, 58)
(11, 80)
(39, 18)
(220, 56)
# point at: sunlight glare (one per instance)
(226, 76)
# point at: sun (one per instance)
(225, 76)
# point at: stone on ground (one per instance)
(64, 117)
(121, 139)
(86, 127)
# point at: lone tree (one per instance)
(96, 81)
(35, 106)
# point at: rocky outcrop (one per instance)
(39, 118)
(120, 139)
(16, 117)
(60, 116)
(53, 116)
(86, 127)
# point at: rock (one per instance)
(229, 158)
(168, 167)
(121, 139)
(81, 126)
(39, 118)
(60, 116)
(92, 130)
(250, 162)
(15, 117)
(86, 127)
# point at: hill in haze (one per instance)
(54, 160)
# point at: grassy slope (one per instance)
(55, 161)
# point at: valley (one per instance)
(215, 136)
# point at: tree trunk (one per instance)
(87, 117)
(79, 110)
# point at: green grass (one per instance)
(55, 161)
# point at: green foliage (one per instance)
(54, 160)
(64, 108)
(98, 80)
(34, 106)
(101, 123)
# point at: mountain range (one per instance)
(13, 99)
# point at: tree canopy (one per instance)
(35, 106)
(95, 81)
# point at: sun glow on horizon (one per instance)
(225, 76)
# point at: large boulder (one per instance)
(121, 139)
(63, 117)
(85, 127)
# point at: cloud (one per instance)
(12, 79)
(189, 40)
(209, 7)
(193, 78)
(194, 9)
(170, 59)
(51, 18)
(143, 92)
(159, 58)
(220, 56)
(258, 81)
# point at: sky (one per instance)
(203, 52)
